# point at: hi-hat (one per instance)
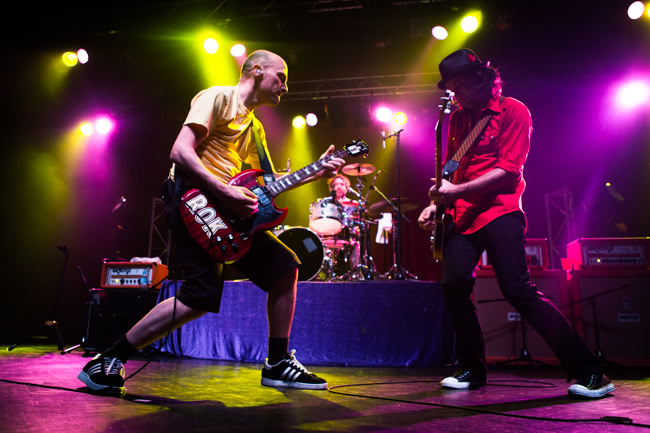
(382, 206)
(358, 169)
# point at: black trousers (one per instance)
(504, 241)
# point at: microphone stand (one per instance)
(592, 299)
(397, 272)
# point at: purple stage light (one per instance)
(383, 114)
(633, 94)
(104, 125)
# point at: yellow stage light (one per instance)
(69, 58)
(87, 129)
(210, 45)
(469, 24)
(400, 118)
(299, 122)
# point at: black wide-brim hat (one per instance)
(458, 63)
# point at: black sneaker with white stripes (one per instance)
(464, 379)
(290, 373)
(595, 385)
(103, 373)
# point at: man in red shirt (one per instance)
(485, 192)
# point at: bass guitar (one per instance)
(227, 239)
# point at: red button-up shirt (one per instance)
(504, 144)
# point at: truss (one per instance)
(358, 87)
(560, 223)
(159, 234)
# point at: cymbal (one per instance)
(382, 206)
(358, 169)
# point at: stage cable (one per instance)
(178, 199)
(605, 419)
(179, 244)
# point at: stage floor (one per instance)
(39, 393)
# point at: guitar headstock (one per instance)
(446, 101)
(356, 148)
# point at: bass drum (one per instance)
(307, 246)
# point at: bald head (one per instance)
(262, 58)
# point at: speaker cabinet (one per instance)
(112, 312)
(501, 323)
(615, 311)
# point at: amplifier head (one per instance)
(132, 275)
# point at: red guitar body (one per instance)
(225, 238)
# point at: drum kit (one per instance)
(336, 246)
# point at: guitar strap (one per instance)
(263, 154)
(452, 165)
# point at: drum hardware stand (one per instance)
(397, 272)
(53, 322)
(366, 269)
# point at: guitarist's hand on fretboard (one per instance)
(331, 166)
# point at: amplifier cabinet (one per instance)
(621, 302)
(501, 323)
(112, 312)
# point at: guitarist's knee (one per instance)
(285, 284)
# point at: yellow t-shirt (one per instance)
(230, 141)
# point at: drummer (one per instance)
(339, 186)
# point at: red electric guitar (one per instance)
(227, 239)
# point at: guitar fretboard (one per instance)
(293, 179)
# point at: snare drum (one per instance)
(309, 249)
(326, 217)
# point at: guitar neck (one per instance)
(439, 151)
(293, 179)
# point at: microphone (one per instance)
(353, 191)
(333, 194)
(383, 139)
(372, 184)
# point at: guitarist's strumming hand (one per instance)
(446, 194)
(241, 201)
(426, 218)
